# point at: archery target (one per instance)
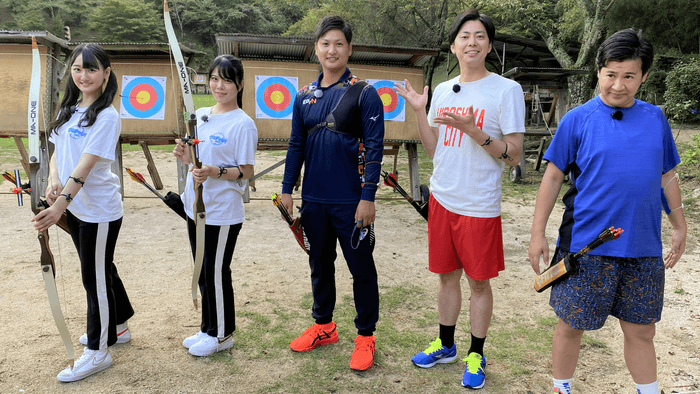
(143, 97)
(394, 105)
(274, 96)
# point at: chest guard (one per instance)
(346, 117)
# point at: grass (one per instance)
(407, 324)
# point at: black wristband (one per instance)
(77, 180)
(488, 141)
(222, 171)
(240, 173)
(505, 156)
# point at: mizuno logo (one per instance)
(374, 118)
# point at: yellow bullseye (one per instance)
(277, 97)
(143, 97)
(386, 99)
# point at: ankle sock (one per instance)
(651, 388)
(477, 345)
(562, 386)
(447, 335)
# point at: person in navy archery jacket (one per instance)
(337, 201)
(81, 183)
(228, 158)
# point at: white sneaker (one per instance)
(90, 363)
(210, 345)
(123, 335)
(191, 340)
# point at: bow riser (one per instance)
(191, 125)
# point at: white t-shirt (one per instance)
(99, 200)
(466, 180)
(230, 139)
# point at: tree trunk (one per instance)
(579, 90)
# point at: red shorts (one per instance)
(457, 241)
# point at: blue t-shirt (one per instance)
(616, 168)
(330, 159)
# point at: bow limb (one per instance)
(36, 154)
(47, 271)
(200, 214)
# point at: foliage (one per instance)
(667, 24)
(691, 156)
(559, 23)
(652, 90)
(399, 22)
(683, 91)
(37, 14)
(199, 21)
(126, 21)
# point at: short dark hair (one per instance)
(231, 68)
(330, 23)
(627, 44)
(471, 15)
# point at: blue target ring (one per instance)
(136, 86)
(284, 89)
(398, 106)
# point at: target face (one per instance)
(143, 97)
(394, 105)
(274, 96)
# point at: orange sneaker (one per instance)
(363, 356)
(316, 335)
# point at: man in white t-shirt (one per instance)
(474, 128)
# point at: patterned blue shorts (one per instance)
(630, 289)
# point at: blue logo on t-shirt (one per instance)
(77, 133)
(217, 139)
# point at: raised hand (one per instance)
(414, 99)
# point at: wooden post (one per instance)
(152, 170)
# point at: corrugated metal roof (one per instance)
(128, 49)
(138, 47)
(43, 37)
(301, 49)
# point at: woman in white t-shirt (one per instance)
(81, 184)
(228, 158)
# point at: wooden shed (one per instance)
(16, 73)
(149, 61)
(291, 63)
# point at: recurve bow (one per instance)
(200, 214)
(37, 153)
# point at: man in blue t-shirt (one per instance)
(337, 199)
(620, 155)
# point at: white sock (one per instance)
(651, 388)
(563, 385)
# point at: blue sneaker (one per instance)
(435, 354)
(474, 374)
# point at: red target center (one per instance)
(143, 97)
(277, 97)
(389, 98)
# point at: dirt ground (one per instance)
(155, 264)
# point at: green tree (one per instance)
(37, 15)
(557, 23)
(126, 21)
(682, 97)
(670, 25)
(393, 22)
